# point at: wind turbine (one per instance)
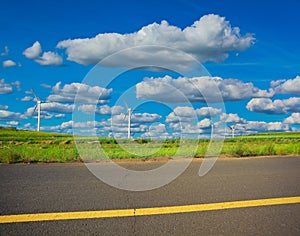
(38, 107)
(232, 128)
(129, 113)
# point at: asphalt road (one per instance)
(39, 188)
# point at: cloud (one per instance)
(117, 125)
(84, 93)
(27, 125)
(102, 110)
(34, 51)
(157, 131)
(181, 114)
(139, 121)
(211, 38)
(205, 123)
(44, 114)
(47, 58)
(28, 92)
(136, 118)
(291, 86)
(14, 123)
(67, 127)
(5, 53)
(27, 99)
(293, 119)
(185, 120)
(59, 115)
(143, 118)
(45, 85)
(266, 105)
(5, 88)
(231, 118)
(17, 83)
(58, 107)
(9, 115)
(86, 124)
(208, 111)
(187, 128)
(3, 107)
(53, 107)
(8, 63)
(189, 114)
(167, 89)
(262, 126)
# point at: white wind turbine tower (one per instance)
(232, 128)
(129, 113)
(38, 107)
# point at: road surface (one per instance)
(48, 188)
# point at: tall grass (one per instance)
(29, 146)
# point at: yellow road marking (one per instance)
(146, 211)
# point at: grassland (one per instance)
(30, 146)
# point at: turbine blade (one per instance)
(125, 115)
(126, 104)
(34, 110)
(36, 97)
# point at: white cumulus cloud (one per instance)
(197, 89)
(142, 118)
(231, 118)
(13, 123)
(102, 110)
(157, 131)
(262, 126)
(34, 51)
(82, 92)
(205, 123)
(47, 58)
(210, 38)
(27, 99)
(117, 125)
(208, 111)
(136, 119)
(8, 63)
(293, 119)
(266, 105)
(58, 107)
(291, 86)
(5, 88)
(6, 115)
(181, 114)
(188, 114)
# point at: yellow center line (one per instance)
(145, 211)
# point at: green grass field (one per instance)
(30, 146)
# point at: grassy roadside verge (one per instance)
(30, 146)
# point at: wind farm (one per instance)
(128, 114)
(32, 146)
(38, 107)
(149, 117)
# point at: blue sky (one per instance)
(246, 51)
